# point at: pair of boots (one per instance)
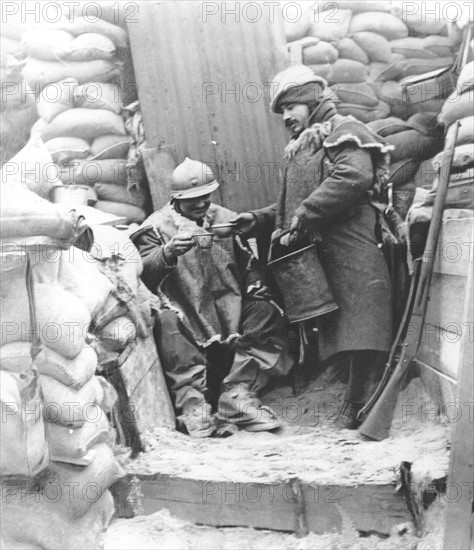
(238, 408)
(364, 374)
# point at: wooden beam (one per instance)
(459, 513)
(371, 508)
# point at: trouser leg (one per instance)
(263, 350)
(364, 372)
(184, 363)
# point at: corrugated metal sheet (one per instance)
(201, 84)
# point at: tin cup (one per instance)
(204, 240)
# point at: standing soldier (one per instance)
(332, 163)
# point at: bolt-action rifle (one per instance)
(377, 414)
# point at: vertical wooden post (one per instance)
(458, 529)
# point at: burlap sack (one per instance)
(65, 149)
(70, 372)
(413, 144)
(56, 98)
(89, 172)
(463, 156)
(110, 147)
(457, 106)
(420, 22)
(319, 53)
(426, 173)
(80, 25)
(99, 95)
(388, 126)
(331, 25)
(392, 93)
(296, 21)
(358, 6)
(348, 49)
(117, 334)
(465, 131)
(88, 47)
(441, 46)
(135, 196)
(39, 73)
(374, 45)
(346, 71)
(420, 65)
(403, 171)
(411, 46)
(44, 44)
(385, 24)
(387, 71)
(466, 77)
(84, 123)
(358, 92)
(131, 214)
(363, 113)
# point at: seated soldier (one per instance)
(214, 295)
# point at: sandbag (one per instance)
(348, 49)
(322, 70)
(385, 24)
(61, 328)
(419, 65)
(112, 309)
(79, 25)
(64, 149)
(132, 214)
(442, 46)
(413, 144)
(97, 95)
(70, 372)
(392, 93)
(331, 25)
(346, 71)
(388, 126)
(65, 442)
(39, 73)
(84, 123)
(403, 171)
(460, 192)
(422, 21)
(110, 147)
(463, 156)
(411, 46)
(403, 198)
(425, 123)
(374, 45)
(23, 447)
(457, 106)
(56, 98)
(32, 168)
(79, 275)
(387, 71)
(117, 334)
(119, 193)
(322, 52)
(15, 126)
(16, 96)
(89, 172)
(68, 407)
(16, 357)
(46, 44)
(34, 519)
(89, 46)
(363, 113)
(358, 92)
(296, 22)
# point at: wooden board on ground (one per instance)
(327, 508)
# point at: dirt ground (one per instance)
(306, 447)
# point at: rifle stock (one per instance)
(377, 415)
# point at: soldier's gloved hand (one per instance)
(177, 246)
(246, 223)
(296, 232)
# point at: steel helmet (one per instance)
(192, 179)
(292, 77)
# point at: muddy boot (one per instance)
(346, 417)
(239, 406)
(196, 419)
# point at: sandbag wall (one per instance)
(17, 103)
(365, 49)
(75, 67)
(57, 458)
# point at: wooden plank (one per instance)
(265, 505)
(455, 246)
(459, 513)
(446, 302)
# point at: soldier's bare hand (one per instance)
(246, 223)
(178, 245)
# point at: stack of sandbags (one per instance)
(17, 105)
(414, 142)
(365, 50)
(73, 406)
(126, 315)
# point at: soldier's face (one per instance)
(295, 117)
(195, 209)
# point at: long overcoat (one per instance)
(329, 171)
